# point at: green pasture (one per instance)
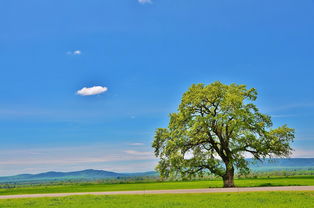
(94, 187)
(214, 200)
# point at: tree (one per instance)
(215, 126)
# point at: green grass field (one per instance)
(90, 187)
(215, 200)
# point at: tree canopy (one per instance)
(215, 128)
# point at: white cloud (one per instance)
(77, 160)
(284, 115)
(279, 108)
(145, 1)
(74, 53)
(303, 153)
(133, 152)
(136, 144)
(86, 91)
(77, 52)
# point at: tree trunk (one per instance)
(228, 178)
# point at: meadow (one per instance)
(94, 187)
(215, 200)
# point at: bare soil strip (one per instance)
(176, 191)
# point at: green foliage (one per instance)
(214, 127)
(217, 200)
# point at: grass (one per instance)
(90, 187)
(214, 200)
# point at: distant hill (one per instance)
(283, 164)
(84, 175)
(90, 174)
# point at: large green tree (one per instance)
(215, 127)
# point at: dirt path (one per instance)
(176, 191)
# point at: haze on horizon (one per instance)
(84, 85)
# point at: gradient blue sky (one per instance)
(147, 55)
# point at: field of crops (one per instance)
(216, 200)
(94, 187)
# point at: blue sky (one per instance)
(147, 53)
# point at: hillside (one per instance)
(90, 174)
(283, 164)
(84, 175)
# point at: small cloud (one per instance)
(145, 1)
(136, 144)
(133, 152)
(284, 115)
(302, 153)
(74, 53)
(86, 91)
(77, 52)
